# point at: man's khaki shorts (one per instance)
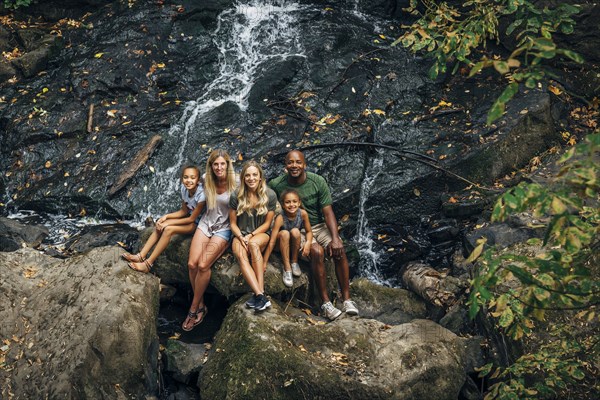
(321, 235)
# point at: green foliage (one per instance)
(14, 4)
(457, 33)
(520, 289)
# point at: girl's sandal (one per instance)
(133, 257)
(146, 264)
(191, 317)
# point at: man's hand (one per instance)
(336, 248)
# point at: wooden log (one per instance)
(90, 121)
(433, 286)
(134, 165)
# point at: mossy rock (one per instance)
(388, 305)
(275, 356)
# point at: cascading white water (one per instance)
(369, 257)
(249, 36)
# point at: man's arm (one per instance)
(336, 247)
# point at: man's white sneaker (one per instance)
(349, 307)
(296, 271)
(287, 278)
(330, 311)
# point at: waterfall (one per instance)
(249, 36)
(369, 257)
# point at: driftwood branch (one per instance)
(90, 120)
(435, 114)
(134, 165)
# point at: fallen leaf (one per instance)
(555, 90)
(48, 164)
(175, 336)
(417, 192)
(30, 272)
(98, 55)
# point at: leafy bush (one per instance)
(520, 290)
(14, 4)
(458, 33)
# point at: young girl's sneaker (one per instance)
(296, 271)
(287, 278)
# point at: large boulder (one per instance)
(272, 355)
(84, 328)
(226, 278)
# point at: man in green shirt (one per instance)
(316, 200)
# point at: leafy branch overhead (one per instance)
(458, 34)
(557, 274)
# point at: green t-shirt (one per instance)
(248, 223)
(314, 194)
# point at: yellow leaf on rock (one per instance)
(98, 55)
(379, 112)
(48, 164)
(554, 90)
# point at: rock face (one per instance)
(273, 356)
(14, 235)
(84, 328)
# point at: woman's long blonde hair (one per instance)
(261, 192)
(210, 179)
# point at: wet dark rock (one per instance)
(470, 390)
(464, 207)
(444, 230)
(456, 320)
(93, 236)
(81, 326)
(8, 244)
(499, 234)
(183, 361)
(15, 233)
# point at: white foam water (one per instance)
(369, 257)
(249, 36)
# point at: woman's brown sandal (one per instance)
(133, 257)
(192, 316)
(148, 266)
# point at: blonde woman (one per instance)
(252, 209)
(213, 234)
